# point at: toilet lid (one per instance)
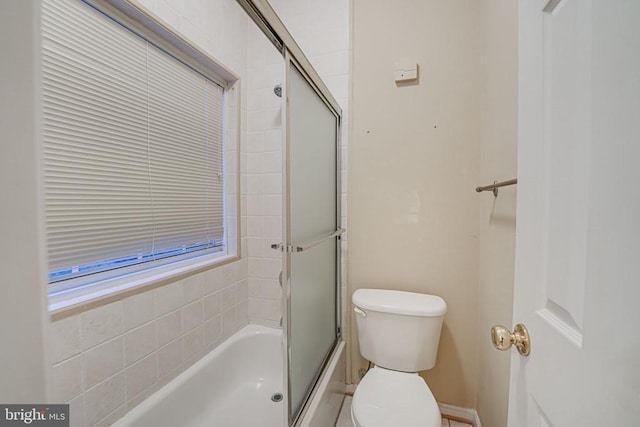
(387, 398)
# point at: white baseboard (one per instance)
(458, 412)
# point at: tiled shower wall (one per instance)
(107, 360)
(264, 178)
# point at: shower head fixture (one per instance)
(278, 90)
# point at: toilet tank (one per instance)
(399, 330)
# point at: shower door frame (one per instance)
(289, 245)
(261, 12)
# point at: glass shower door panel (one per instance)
(312, 216)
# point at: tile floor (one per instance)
(344, 420)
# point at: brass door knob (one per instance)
(503, 339)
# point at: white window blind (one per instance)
(133, 143)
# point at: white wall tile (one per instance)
(138, 309)
(255, 205)
(212, 281)
(168, 298)
(228, 274)
(139, 342)
(104, 398)
(242, 313)
(242, 290)
(228, 322)
(192, 288)
(273, 140)
(67, 379)
(211, 305)
(192, 315)
(169, 358)
(273, 205)
(141, 375)
(255, 225)
(102, 361)
(101, 324)
(212, 330)
(169, 327)
(192, 342)
(272, 162)
(227, 297)
(65, 338)
(272, 227)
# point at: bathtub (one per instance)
(231, 386)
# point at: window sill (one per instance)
(107, 291)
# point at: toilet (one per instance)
(399, 333)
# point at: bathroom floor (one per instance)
(344, 420)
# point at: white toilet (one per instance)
(399, 333)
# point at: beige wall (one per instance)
(498, 130)
(413, 166)
(24, 372)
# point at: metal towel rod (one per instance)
(494, 187)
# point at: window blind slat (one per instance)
(133, 147)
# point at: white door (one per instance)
(577, 281)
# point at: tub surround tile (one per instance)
(169, 358)
(104, 398)
(227, 297)
(212, 330)
(192, 315)
(169, 327)
(141, 375)
(228, 322)
(192, 342)
(212, 281)
(242, 291)
(229, 274)
(102, 361)
(138, 309)
(101, 324)
(139, 342)
(192, 288)
(168, 298)
(211, 305)
(242, 314)
(65, 338)
(67, 379)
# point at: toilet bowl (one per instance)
(399, 332)
(386, 398)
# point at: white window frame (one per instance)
(79, 294)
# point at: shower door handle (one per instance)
(302, 248)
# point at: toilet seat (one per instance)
(386, 398)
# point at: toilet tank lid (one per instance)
(399, 302)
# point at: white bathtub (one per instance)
(232, 387)
(229, 387)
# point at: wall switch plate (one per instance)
(404, 72)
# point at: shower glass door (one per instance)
(312, 235)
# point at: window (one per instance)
(133, 148)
